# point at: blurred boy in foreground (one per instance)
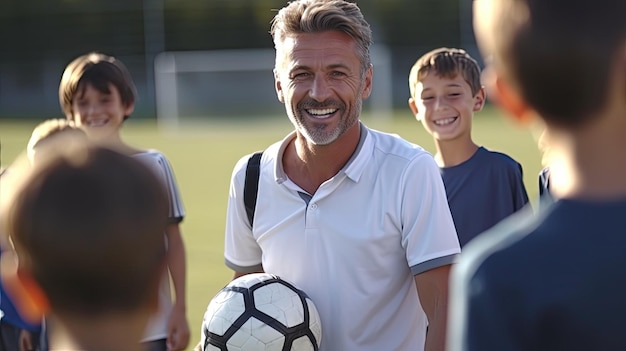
(554, 281)
(86, 245)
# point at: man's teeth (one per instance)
(446, 121)
(322, 112)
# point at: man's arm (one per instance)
(432, 288)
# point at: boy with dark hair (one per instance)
(483, 187)
(98, 94)
(554, 281)
(87, 245)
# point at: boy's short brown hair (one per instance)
(87, 224)
(447, 63)
(100, 71)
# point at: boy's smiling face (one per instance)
(445, 106)
(99, 113)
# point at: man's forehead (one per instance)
(317, 40)
(314, 46)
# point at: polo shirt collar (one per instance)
(353, 168)
(357, 162)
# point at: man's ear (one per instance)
(367, 83)
(25, 293)
(278, 86)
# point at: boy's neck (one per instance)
(122, 332)
(589, 163)
(454, 152)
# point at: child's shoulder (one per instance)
(152, 156)
(498, 158)
(148, 153)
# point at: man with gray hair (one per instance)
(355, 217)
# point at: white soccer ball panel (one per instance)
(223, 310)
(256, 335)
(315, 322)
(302, 344)
(281, 303)
(211, 348)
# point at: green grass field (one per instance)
(203, 157)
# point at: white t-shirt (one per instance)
(155, 160)
(356, 244)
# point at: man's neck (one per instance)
(311, 165)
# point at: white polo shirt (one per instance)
(356, 244)
(155, 160)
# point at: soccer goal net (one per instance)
(194, 86)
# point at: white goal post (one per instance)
(200, 85)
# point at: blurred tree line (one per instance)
(39, 29)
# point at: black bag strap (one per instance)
(251, 185)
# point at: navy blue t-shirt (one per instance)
(554, 281)
(482, 191)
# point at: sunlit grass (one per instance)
(203, 155)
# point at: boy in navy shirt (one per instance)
(483, 187)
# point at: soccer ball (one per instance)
(261, 311)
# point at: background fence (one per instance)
(39, 37)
